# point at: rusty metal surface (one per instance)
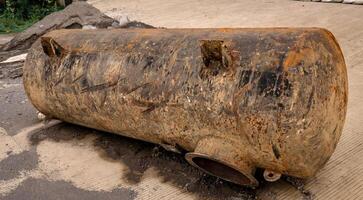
(236, 99)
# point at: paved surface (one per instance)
(71, 162)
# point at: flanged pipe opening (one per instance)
(219, 169)
(271, 176)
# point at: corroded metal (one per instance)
(235, 99)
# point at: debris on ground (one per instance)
(41, 116)
(7, 54)
(12, 67)
(122, 20)
(12, 70)
(20, 57)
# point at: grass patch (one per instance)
(18, 15)
(11, 25)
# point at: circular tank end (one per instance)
(221, 169)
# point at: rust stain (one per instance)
(297, 57)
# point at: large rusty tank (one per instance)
(235, 99)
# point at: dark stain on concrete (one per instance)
(39, 189)
(299, 184)
(11, 166)
(60, 132)
(139, 156)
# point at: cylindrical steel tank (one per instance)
(235, 99)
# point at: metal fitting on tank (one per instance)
(220, 157)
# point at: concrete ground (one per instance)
(71, 162)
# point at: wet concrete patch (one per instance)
(172, 167)
(60, 132)
(39, 189)
(16, 111)
(12, 166)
